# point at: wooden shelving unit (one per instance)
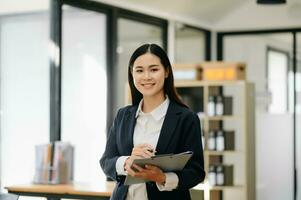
(241, 121)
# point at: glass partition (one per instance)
(84, 90)
(24, 94)
(189, 44)
(131, 34)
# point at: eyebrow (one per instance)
(150, 66)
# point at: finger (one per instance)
(129, 161)
(144, 153)
(149, 148)
(145, 146)
(137, 150)
(129, 170)
(137, 167)
(142, 175)
(138, 153)
(147, 154)
(152, 167)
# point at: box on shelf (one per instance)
(228, 172)
(223, 71)
(229, 140)
(228, 105)
(187, 71)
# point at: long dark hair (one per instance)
(169, 87)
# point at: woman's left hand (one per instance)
(150, 172)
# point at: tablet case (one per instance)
(166, 162)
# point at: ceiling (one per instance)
(220, 14)
(199, 12)
(210, 11)
(210, 14)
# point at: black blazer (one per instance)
(180, 132)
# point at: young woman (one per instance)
(157, 121)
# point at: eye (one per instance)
(138, 70)
(154, 69)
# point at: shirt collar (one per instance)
(158, 112)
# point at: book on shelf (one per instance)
(54, 163)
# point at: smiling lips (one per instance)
(148, 85)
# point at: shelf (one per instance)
(241, 119)
(223, 117)
(203, 186)
(222, 152)
(226, 187)
(183, 83)
(198, 83)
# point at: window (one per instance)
(84, 90)
(190, 44)
(24, 94)
(277, 77)
(132, 34)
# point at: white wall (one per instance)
(253, 16)
(17, 6)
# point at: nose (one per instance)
(146, 75)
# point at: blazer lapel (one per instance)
(128, 129)
(169, 124)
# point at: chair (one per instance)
(7, 196)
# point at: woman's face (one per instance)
(149, 75)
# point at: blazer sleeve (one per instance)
(111, 153)
(193, 173)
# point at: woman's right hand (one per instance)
(138, 152)
(143, 151)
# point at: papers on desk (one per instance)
(54, 163)
(166, 162)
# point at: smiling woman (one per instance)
(157, 121)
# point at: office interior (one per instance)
(63, 76)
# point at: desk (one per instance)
(74, 191)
